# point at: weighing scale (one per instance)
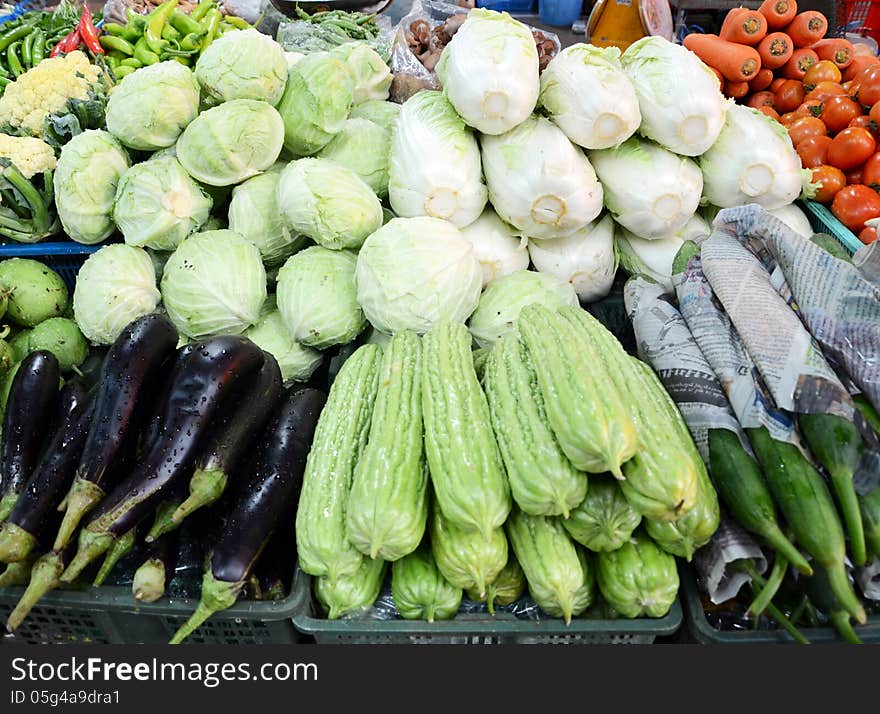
(619, 23)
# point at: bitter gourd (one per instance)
(542, 479)
(466, 558)
(558, 573)
(638, 579)
(322, 544)
(584, 408)
(604, 521)
(466, 470)
(354, 592)
(507, 588)
(388, 504)
(419, 590)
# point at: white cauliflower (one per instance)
(31, 156)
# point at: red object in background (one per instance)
(862, 15)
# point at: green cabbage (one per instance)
(382, 113)
(372, 77)
(213, 284)
(316, 297)
(116, 285)
(296, 361)
(149, 108)
(413, 272)
(328, 203)
(363, 147)
(243, 65)
(158, 205)
(231, 142)
(500, 250)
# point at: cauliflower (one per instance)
(31, 156)
(46, 89)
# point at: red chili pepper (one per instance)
(67, 44)
(89, 32)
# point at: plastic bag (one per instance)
(306, 37)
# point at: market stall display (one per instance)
(343, 312)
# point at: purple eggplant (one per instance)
(33, 398)
(132, 368)
(202, 383)
(265, 493)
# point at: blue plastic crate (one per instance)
(513, 7)
(65, 258)
(824, 221)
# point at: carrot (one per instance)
(747, 27)
(807, 28)
(775, 50)
(779, 13)
(835, 49)
(801, 60)
(776, 84)
(761, 99)
(858, 64)
(737, 63)
(762, 80)
(770, 112)
(736, 90)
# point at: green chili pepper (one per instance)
(192, 41)
(3, 71)
(200, 10)
(3, 82)
(114, 28)
(180, 60)
(170, 34)
(143, 52)
(184, 24)
(156, 22)
(27, 47)
(123, 70)
(10, 36)
(39, 50)
(112, 60)
(212, 23)
(132, 62)
(238, 22)
(116, 44)
(12, 59)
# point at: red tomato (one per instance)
(806, 127)
(814, 151)
(854, 176)
(853, 205)
(812, 108)
(823, 71)
(874, 114)
(869, 85)
(787, 119)
(871, 171)
(789, 96)
(825, 90)
(838, 112)
(868, 234)
(830, 180)
(865, 122)
(851, 148)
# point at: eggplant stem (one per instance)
(17, 573)
(120, 547)
(44, 577)
(15, 543)
(7, 503)
(82, 498)
(149, 581)
(217, 595)
(164, 521)
(205, 487)
(90, 546)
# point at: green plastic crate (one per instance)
(109, 615)
(824, 221)
(703, 631)
(475, 629)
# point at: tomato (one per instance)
(865, 122)
(769, 111)
(837, 112)
(853, 205)
(875, 114)
(789, 96)
(804, 128)
(854, 176)
(814, 151)
(826, 90)
(868, 234)
(787, 119)
(851, 148)
(869, 85)
(776, 84)
(824, 71)
(812, 108)
(871, 171)
(830, 181)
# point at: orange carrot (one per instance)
(779, 13)
(801, 60)
(736, 90)
(747, 27)
(857, 65)
(775, 50)
(761, 99)
(835, 49)
(807, 28)
(762, 80)
(776, 84)
(738, 63)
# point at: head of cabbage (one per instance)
(382, 113)
(328, 203)
(254, 215)
(247, 64)
(372, 77)
(498, 247)
(231, 142)
(501, 302)
(539, 181)
(158, 204)
(86, 177)
(489, 71)
(588, 96)
(648, 189)
(116, 285)
(149, 108)
(435, 167)
(297, 362)
(214, 283)
(315, 104)
(414, 272)
(363, 147)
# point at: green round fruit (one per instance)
(35, 292)
(20, 344)
(7, 356)
(62, 338)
